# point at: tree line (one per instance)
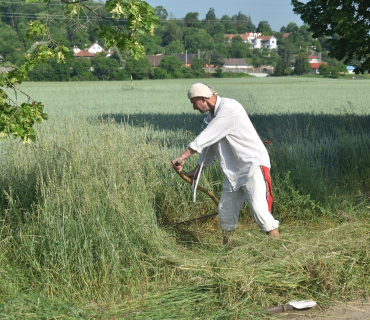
(189, 34)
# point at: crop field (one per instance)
(85, 211)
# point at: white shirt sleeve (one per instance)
(210, 155)
(220, 126)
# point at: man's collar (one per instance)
(218, 102)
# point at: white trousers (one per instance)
(254, 191)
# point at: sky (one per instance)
(277, 12)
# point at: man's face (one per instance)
(200, 104)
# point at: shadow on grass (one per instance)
(286, 126)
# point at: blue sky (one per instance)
(277, 12)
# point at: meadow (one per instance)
(85, 211)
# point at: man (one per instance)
(230, 136)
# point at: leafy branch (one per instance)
(17, 120)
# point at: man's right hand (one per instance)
(193, 174)
(177, 164)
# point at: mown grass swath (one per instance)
(84, 210)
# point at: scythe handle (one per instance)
(188, 180)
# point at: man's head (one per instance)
(202, 97)
(200, 90)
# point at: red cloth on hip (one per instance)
(266, 175)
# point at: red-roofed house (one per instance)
(268, 42)
(313, 59)
(84, 54)
(286, 35)
(315, 67)
(95, 48)
(247, 37)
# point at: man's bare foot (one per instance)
(274, 233)
(227, 237)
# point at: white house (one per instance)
(313, 59)
(247, 37)
(75, 49)
(268, 42)
(95, 48)
(350, 69)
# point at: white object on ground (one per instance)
(303, 304)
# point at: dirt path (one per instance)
(353, 310)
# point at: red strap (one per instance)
(266, 175)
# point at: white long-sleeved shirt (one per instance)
(232, 138)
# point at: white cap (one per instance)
(200, 90)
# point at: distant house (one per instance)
(268, 42)
(235, 64)
(286, 35)
(155, 59)
(247, 37)
(350, 69)
(84, 54)
(91, 51)
(95, 48)
(314, 59)
(75, 49)
(315, 67)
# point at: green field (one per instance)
(84, 210)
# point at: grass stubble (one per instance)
(83, 216)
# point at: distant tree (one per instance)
(161, 13)
(324, 69)
(285, 53)
(215, 28)
(172, 65)
(345, 23)
(200, 40)
(318, 46)
(174, 47)
(241, 22)
(138, 69)
(104, 67)
(151, 44)
(197, 67)
(218, 73)
(239, 49)
(250, 25)
(302, 65)
(237, 39)
(228, 24)
(256, 61)
(264, 28)
(159, 73)
(216, 58)
(192, 20)
(211, 16)
(305, 33)
(292, 27)
(171, 32)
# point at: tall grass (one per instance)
(83, 213)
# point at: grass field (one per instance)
(84, 210)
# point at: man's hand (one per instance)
(193, 174)
(177, 164)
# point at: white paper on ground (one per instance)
(303, 304)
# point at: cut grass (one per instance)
(83, 215)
